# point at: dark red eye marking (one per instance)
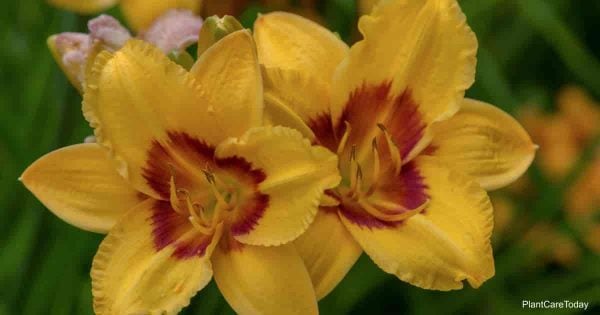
(165, 160)
(407, 189)
(168, 227)
(179, 156)
(251, 210)
(368, 106)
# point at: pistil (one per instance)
(390, 217)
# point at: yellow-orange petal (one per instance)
(289, 41)
(417, 59)
(141, 13)
(138, 98)
(151, 262)
(295, 99)
(296, 176)
(445, 244)
(81, 186)
(229, 76)
(84, 6)
(328, 251)
(263, 280)
(485, 143)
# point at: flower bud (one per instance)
(214, 29)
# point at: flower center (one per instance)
(209, 205)
(365, 169)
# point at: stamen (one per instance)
(345, 137)
(328, 201)
(218, 214)
(392, 148)
(210, 178)
(353, 169)
(359, 176)
(192, 209)
(200, 209)
(387, 216)
(376, 166)
(173, 197)
(201, 228)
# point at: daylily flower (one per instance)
(139, 13)
(415, 156)
(173, 31)
(187, 183)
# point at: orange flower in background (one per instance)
(504, 214)
(563, 136)
(548, 244)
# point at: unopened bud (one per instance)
(215, 28)
(182, 58)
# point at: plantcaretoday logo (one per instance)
(566, 304)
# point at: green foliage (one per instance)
(528, 48)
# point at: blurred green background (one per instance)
(529, 49)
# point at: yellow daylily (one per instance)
(138, 13)
(415, 156)
(187, 183)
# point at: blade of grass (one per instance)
(542, 17)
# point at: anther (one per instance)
(375, 161)
(210, 178)
(355, 173)
(358, 183)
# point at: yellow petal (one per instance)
(80, 185)
(328, 251)
(297, 174)
(151, 262)
(263, 280)
(289, 41)
(141, 13)
(229, 75)
(294, 99)
(84, 6)
(442, 246)
(414, 54)
(485, 143)
(137, 97)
